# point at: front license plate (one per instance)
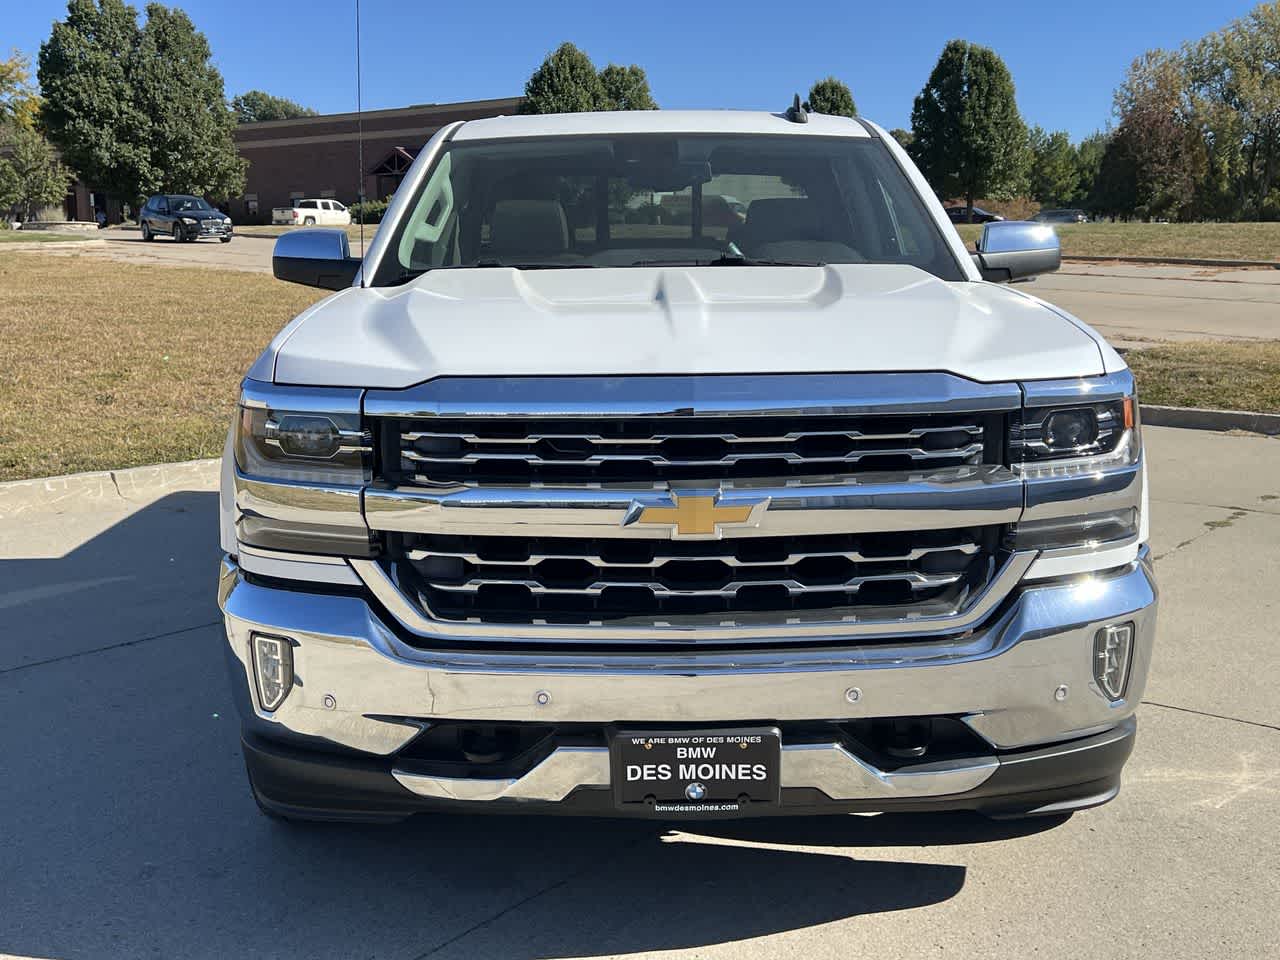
(696, 771)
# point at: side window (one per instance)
(306, 204)
(325, 205)
(162, 205)
(339, 207)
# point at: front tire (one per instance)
(147, 235)
(177, 233)
(225, 239)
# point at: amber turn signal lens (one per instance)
(1128, 413)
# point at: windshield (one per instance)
(178, 204)
(665, 199)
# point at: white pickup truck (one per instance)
(552, 506)
(310, 213)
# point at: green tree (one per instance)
(969, 139)
(135, 110)
(190, 136)
(256, 106)
(18, 99)
(1232, 100)
(90, 110)
(626, 88)
(565, 82)
(1162, 158)
(904, 137)
(1089, 153)
(1055, 173)
(832, 97)
(33, 177)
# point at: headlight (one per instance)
(302, 459)
(1075, 438)
(302, 445)
(188, 220)
(227, 221)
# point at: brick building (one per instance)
(317, 156)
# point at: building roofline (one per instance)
(461, 106)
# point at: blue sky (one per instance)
(1066, 58)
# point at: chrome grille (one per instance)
(798, 579)
(645, 449)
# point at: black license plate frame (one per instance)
(708, 770)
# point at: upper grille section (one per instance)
(644, 449)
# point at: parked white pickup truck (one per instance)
(309, 213)
(549, 509)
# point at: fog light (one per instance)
(1112, 652)
(272, 669)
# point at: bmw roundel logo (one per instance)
(695, 791)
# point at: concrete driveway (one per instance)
(126, 827)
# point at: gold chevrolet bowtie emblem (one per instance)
(697, 515)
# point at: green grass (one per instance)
(42, 236)
(1226, 375)
(275, 230)
(1214, 241)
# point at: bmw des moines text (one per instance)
(592, 491)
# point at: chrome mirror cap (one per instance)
(1013, 250)
(315, 258)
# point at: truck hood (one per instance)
(702, 320)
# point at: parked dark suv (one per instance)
(961, 215)
(183, 218)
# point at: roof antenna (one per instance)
(796, 112)
(359, 146)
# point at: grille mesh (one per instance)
(582, 581)
(645, 449)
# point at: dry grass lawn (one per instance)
(1217, 241)
(1227, 375)
(106, 365)
(42, 236)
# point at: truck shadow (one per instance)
(127, 828)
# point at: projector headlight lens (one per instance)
(1070, 430)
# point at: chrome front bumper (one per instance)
(1023, 679)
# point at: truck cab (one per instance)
(574, 498)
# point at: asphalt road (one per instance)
(1129, 304)
(127, 829)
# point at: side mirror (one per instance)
(315, 258)
(1013, 250)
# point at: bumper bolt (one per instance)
(1061, 693)
(330, 701)
(853, 694)
(542, 698)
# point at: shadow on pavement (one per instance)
(127, 827)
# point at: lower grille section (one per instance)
(722, 582)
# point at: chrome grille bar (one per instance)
(917, 581)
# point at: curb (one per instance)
(79, 491)
(1175, 261)
(1201, 418)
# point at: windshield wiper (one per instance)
(729, 260)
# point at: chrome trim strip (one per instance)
(296, 566)
(767, 395)
(953, 497)
(1049, 393)
(841, 775)
(296, 502)
(965, 547)
(270, 396)
(973, 610)
(553, 779)
(828, 767)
